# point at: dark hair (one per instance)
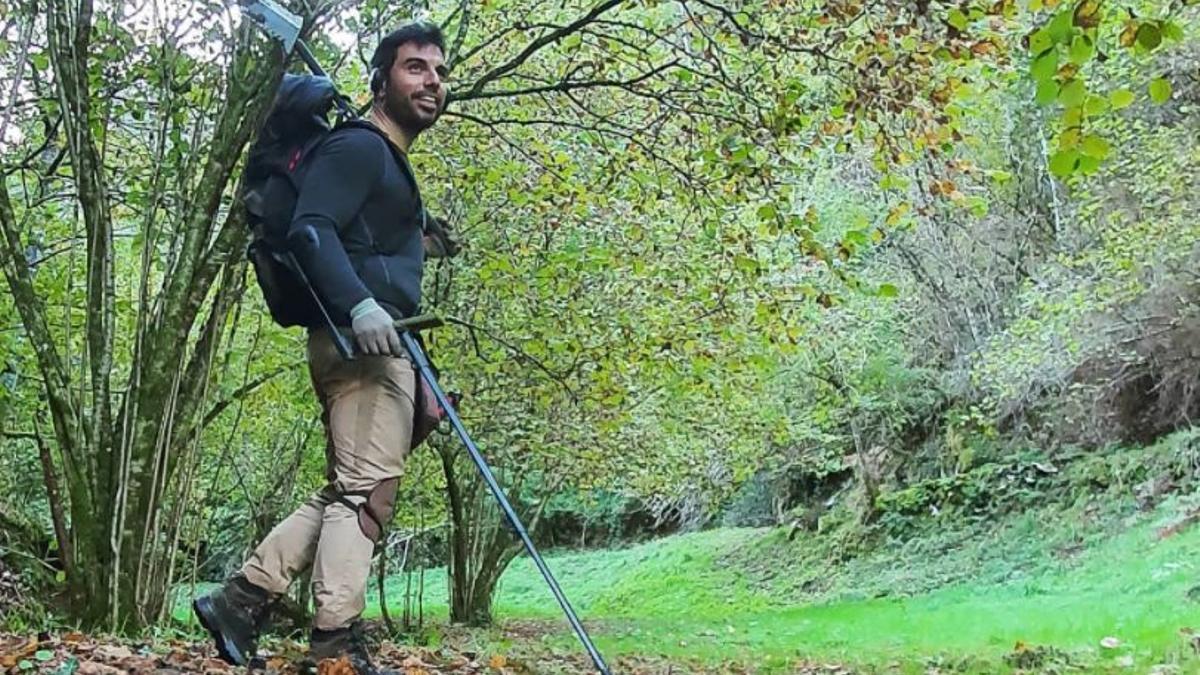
(420, 32)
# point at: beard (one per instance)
(404, 111)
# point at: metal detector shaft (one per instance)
(422, 363)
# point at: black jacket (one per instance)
(358, 224)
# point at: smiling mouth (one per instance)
(428, 102)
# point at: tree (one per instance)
(149, 142)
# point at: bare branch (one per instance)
(464, 25)
(16, 83)
(518, 352)
(533, 47)
(244, 391)
(564, 86)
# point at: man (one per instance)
(358, 233)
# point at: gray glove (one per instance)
(373, 329)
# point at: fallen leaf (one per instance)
(335, 667)
(413, 661)
(113, 652)
(94, 668)
(497, 662)
(15, 654)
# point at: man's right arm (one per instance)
(340, 176)
(337, 182)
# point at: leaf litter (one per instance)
(75, 653)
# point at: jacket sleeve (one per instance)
(340, 176)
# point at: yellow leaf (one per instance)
(1087, 14)
(897, 213)
(1129, 35)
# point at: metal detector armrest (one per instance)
(416, 324)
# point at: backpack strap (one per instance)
(398, 154)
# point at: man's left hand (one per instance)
(439, 239)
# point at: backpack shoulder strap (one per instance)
(399, 156)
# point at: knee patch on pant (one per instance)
(376, 512)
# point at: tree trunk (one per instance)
(481, 543)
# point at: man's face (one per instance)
(415, 90)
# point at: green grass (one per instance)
(687, 597)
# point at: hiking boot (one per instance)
(233, 615)
(348, 643)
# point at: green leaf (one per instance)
(1072, 117)
(1073, 93)
(1062, 164)
(1045, 66)
(1095, 146)
(1096, 105)
(1047, 92)
(1160, 90)
(1149, 35)
(957, 19)
(1061, 26)
(1089, 165)
(60, 576)
(1172, 31)
(745, 263)
(766, 212)
(572, 41)
(43, 655)
(1040, 41)
(1081, 49)
(888, 291)
(1121, 98)
(856, 237)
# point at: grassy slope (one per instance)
(1052, 578)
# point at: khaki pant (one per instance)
(367, 408)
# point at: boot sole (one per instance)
(226, 649)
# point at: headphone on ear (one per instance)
(378, 79)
